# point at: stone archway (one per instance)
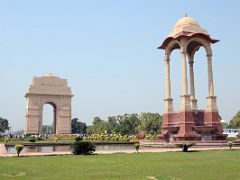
(48, 90)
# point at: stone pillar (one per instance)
(185, 98)
(168, 107)
(192, 85)
(211, 99)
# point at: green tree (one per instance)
(111, 124)
(150, 122)
(127, 124)
(99, 125)
(90, 130)
(235, 121)
(78, 126)
(4, 125)
(224, 125)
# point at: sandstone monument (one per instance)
(48, 90)
(190, 123)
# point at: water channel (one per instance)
(58, 148)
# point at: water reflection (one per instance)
(65, 148)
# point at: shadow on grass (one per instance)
(189, 151)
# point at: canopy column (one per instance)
(168, 107)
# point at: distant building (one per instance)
(231, 132)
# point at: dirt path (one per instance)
(3, 150)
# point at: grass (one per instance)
(168, 166)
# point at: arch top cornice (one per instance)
(174, 44)
(187, 35)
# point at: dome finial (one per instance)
(50, 75)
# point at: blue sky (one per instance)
(107, 51)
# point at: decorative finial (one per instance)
(50, 74)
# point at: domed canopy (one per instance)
(186, 21)
(187, 24)
(187, 27)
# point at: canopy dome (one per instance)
(186, 21)
(187, 24)
(187, 27)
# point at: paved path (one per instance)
(120, 151)
(3, 150)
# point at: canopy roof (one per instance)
(187, 27)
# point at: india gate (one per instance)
(189, 123)
(48, 90)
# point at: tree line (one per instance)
(133, 123)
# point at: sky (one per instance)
(107, 50)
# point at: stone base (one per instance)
(220, 137)
(189, 137)
(191, 126)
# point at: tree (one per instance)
(3, 125)
(78, 126)
(150, 122)
(235, 121)
(90, 130)
(127, 124)
(111, 124)
(99, 125)
(224, 125)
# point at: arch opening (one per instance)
(195, 43)
(49, 118)
(201, 77)
(176, 79)
(172, 46)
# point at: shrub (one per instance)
(32, 139)
(151, 137)
(19, 148)
(230, 144)
(137, 146)
(184, 146)
(78, 138)
(83, 147)
(141, 135)
(6, 140)
(40, 139)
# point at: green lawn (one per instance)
(174, 165)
